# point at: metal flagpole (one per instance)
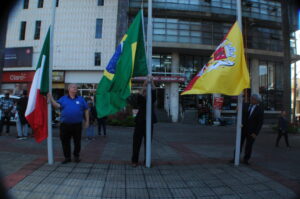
(240, 99)
(50, 134)
(149, 97)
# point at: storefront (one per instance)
(16, 81)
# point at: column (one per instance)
(174, 89)
(254, 76)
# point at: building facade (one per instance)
(84, 40)
(185, 33)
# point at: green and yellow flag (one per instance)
(129, 60)
(226, 72)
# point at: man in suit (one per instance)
(252, 121)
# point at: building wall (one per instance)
(74, 37)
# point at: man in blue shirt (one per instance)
(74, 110)
(6, 106)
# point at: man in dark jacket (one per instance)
(22, 124)
(252, 121)
(140, 123)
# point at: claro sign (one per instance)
(17, 77)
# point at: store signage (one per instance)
(17, 76)
(58, 76)
(162, 78)
(18, 57)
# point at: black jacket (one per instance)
(252, 123)
(141, 105)
(21, 108)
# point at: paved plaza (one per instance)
(189, 161)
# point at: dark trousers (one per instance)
(249, 143)
(5, 120)
(138, 136)
(280, 134)
(68, 131)
(101, 124)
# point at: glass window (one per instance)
(37, 30)
(26, 4)
(57, 3)
(40, 3)
(22, 30)
(99, 28)
(100, 2)
(97, 59)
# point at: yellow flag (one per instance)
(226, 72)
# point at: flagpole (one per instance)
(50, 134)
(240, 99)
(149, 97)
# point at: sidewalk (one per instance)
(189, 161)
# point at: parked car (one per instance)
(15, 99)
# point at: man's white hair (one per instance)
(257, 97)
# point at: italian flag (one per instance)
(37, 111)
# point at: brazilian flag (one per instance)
(129, 60)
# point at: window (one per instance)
(26, 4)
(99, 28)
(100, 2)
(37, 30)
(40, 3)
(23, 30)
(57, 3)
(97, 59)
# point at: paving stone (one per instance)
(100, 166)
(117, 167)
(40, 173)
(241, 189)
(34, 179)
(137, 193)
(51, 180)
(250, 196)
(203, 191)
(67, 190)
(59, 196)
(116, 172)
(229, 197)
(91, 192)
(176, 184)
(208, 197)
(195, 184)
(84, 165)
(258, 187)
(222, 190)
(73, 182)
(39, 196)
(48, 168)
(182, 193)
(59, 174)
(46, 188)
(249, 180)
(19, 194)
(214, 183)
(160, 193)
(113, 193)
(25, 186)
(64, 169)
(270, 194)
(94, 183)
(115, 184)
(78, 176)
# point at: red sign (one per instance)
(16, 77)
(162, 78)
(218, 103)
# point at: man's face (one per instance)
(253, 100)
(6, 95)
(73, 88)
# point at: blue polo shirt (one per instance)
(72, 110)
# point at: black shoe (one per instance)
(246, 162)
(67, 160)
(76, 159)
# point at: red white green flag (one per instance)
(37, 111)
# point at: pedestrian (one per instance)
(92, 119)
(140, 123)
(252, 121)
(6, 105)
(74, 110)
(21, 122)
(283, 129)
(102, 125)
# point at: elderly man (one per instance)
(252, 121)
(73, 109)
(6, 105)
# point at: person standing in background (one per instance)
(22, 124)
(6, 105)
(282, 129)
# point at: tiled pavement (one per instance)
(188, 162)
(96, 180)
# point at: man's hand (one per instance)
(86, 124)
(253, 135)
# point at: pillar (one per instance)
(174, 89)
